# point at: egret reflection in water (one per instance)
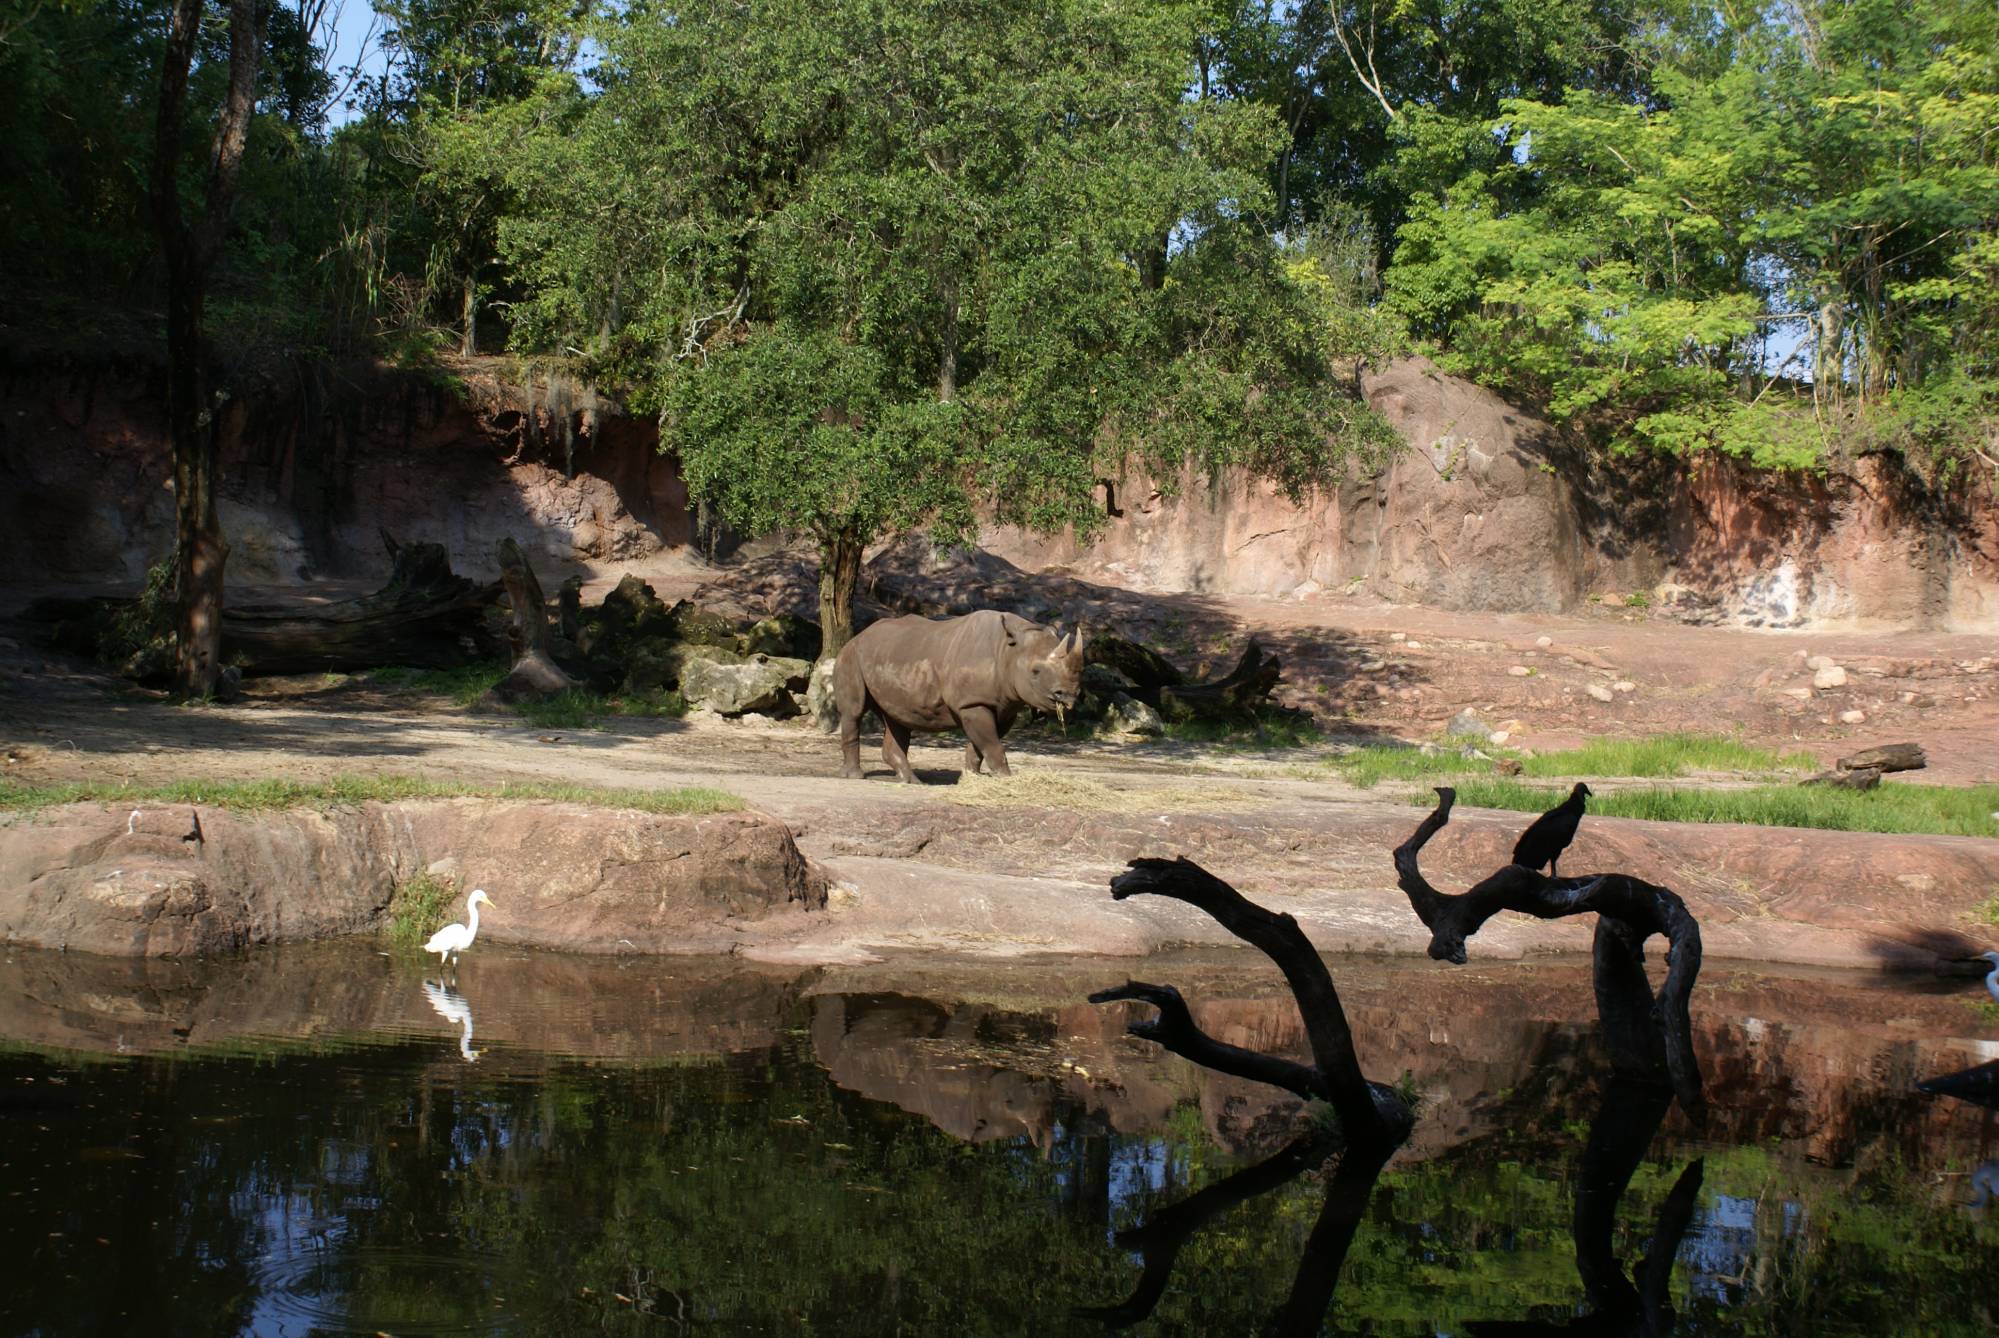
(452, 1007)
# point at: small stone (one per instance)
(1853, 717)
(1544, 641)
(1624, 685)
(1600, 692)
(1467, 724)
(1506, 766)
(1610, 597)
(1372, 666)
(1820, 662)
(1922, 701)
(1398, 636)
(1830, 677)
(1802, 694)
(1381, 689)
(1519, 671)
(1498, 736)
(1413, 645)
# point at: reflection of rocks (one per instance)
(538, 1003)
(1819, 1065)
(87, 877)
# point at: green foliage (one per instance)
(934, 257)
(577, 708)
(146, 624)
(417, 909)
(270, 795)
(1806, 193)
(1941, 810)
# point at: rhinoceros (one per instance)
(973, 673)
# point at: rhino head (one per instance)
(1044, 668)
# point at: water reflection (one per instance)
(451, 1006)
(298, 1147)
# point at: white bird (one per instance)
(1992, 980)
(132, 823)
(451, 940)
(451, 1006)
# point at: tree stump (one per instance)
(534, 675)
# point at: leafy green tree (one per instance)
(1812, 196)
(877, 264)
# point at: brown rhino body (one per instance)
(975, 673)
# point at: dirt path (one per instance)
(1022, 870)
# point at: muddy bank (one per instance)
(135, 883)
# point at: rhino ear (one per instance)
(1006, 630)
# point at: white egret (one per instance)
(451, 1006)
(451, 940)
(1991, 980)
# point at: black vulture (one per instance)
(1544, 842)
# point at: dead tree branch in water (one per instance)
(1369, 1112)
(1630, 911)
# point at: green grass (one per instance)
(268, 795)
(575, 709)
(1933, 809)
(417, 909)
(1661, 756)
(1266, 729)
(464, 685)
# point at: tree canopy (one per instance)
(875, 264)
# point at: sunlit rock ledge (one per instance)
(135, 882)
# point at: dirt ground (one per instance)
(922, 862)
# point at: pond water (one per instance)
(327, 1141)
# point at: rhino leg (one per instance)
(895, 748)
(982, 735)
(851, 697)
(972, 758)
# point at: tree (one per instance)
(189, 246)
(883, 264)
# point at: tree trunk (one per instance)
(199, 550)
(947, 359)
(190, 249)
(534, 675)
(839, 576)
(470, 343)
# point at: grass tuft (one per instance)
(1276, 728)
(270, 795)
(1662, 756)
(417, 909)
(1907, 809)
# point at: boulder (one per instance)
(762, 683)
(819, 703)
(1128, 715)
(94, 878)
(1468, 724)
(784, 634)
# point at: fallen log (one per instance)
(1860, 778)
(1238, 695)
(1888, 757)
(426, 616)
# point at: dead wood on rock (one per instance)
(1638, 910)
(535, 674)
(1369, 1112)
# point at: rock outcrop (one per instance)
(124, 882)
